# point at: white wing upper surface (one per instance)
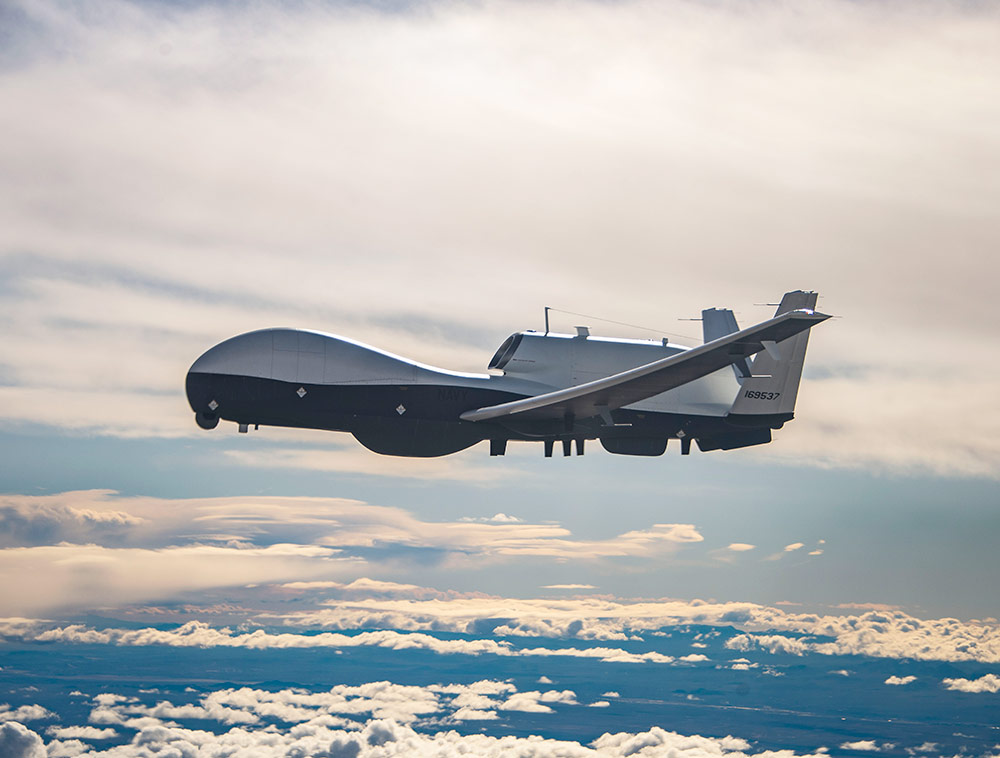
(618, 390)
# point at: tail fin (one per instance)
(768, 395)
(719, 322)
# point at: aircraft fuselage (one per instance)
(394, 406)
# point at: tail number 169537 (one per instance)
(761, 395)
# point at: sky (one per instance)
(426, 177)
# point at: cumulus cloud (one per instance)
(188, 233)
(388, 738)
(24, 713)
(471, 714)
(772, 643)
(338, 707)
(881, 634)
(693, 658)
(17, 741)
(81, 733)
(200, 634)
(986, 683)
(900, 680)
(740, 547)
(863, 745)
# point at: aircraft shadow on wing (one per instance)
(634, 396)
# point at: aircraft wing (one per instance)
(598, 397)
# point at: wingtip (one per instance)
(807, 313)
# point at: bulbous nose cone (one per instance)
(201, 398)
(245, 355)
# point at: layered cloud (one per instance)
(201, 635)
(235, 167)
(385, 738)
(88, 576)
(160, 549)
(880, 634)
(404, 622)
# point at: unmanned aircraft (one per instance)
(634, 396)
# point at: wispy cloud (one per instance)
(185, 232)
(153, 549)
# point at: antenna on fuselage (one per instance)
(546, 319)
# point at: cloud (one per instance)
(793, 548)
(86, 576)
(569, 587)
(24, 713)
(250, 707)
(81, 732)
(471, 714)
(336, 523)
(862, 745)
(201, 635)
(388, 738)
(503, 518)
(740, 547)
(17, 741)
(236, 541)
(693, 658)
(45, 521)
(900, 680)
(187, 233)
(881, 634)
(772, 643)
(986, 683)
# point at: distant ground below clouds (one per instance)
(618, 682)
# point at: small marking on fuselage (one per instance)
(400, 409)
